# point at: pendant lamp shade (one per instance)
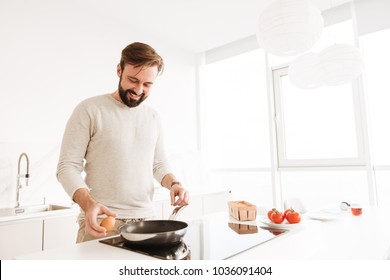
(305, 71)
(335, 65)
(340, 64)
(289, 27)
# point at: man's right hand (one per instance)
(92, 210)
(91, 214)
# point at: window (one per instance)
(234, 104)
(236, 131)
(376, 48)
(376, 57)
(316, 127)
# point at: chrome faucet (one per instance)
(25, 175)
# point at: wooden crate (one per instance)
(242, 210)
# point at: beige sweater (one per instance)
(121, 151)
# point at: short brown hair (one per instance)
(140, 54)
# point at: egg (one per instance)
(108, 223)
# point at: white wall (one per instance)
(53, 54)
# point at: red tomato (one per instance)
(277, 217)
(293, 217)
(270, 212)
(286, 212)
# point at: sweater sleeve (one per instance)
(161, 165)
(74, 145)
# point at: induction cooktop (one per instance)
(175, 252)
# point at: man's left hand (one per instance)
(179, 195)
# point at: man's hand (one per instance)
(91, 209)
(91, 215)
(179, 195)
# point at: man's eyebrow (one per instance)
(132, 77)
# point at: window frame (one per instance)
(283, 162)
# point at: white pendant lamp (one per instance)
(340, 64)
(335, 65)
(289, 27)
(305, 71)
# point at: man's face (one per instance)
(135, 83)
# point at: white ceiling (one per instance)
(197, 25)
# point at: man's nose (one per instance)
(138, 89)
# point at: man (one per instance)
(118, 142)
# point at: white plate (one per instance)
(324, 215)
(284, 225)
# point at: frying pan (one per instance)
(155, 232)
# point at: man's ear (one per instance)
(118, 70)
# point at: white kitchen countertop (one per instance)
(347, 237)
(365, 237)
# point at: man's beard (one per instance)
(123, 94)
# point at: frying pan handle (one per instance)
(176, 211)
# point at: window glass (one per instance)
(376, 55)
(319, 127)
(318, 123)
(236, 112)
(375, 48)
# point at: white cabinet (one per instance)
(20, 238)
(36, 232)
(59, 231)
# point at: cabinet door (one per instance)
(59, 232)
(19, 239)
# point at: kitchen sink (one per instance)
(31, 209)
